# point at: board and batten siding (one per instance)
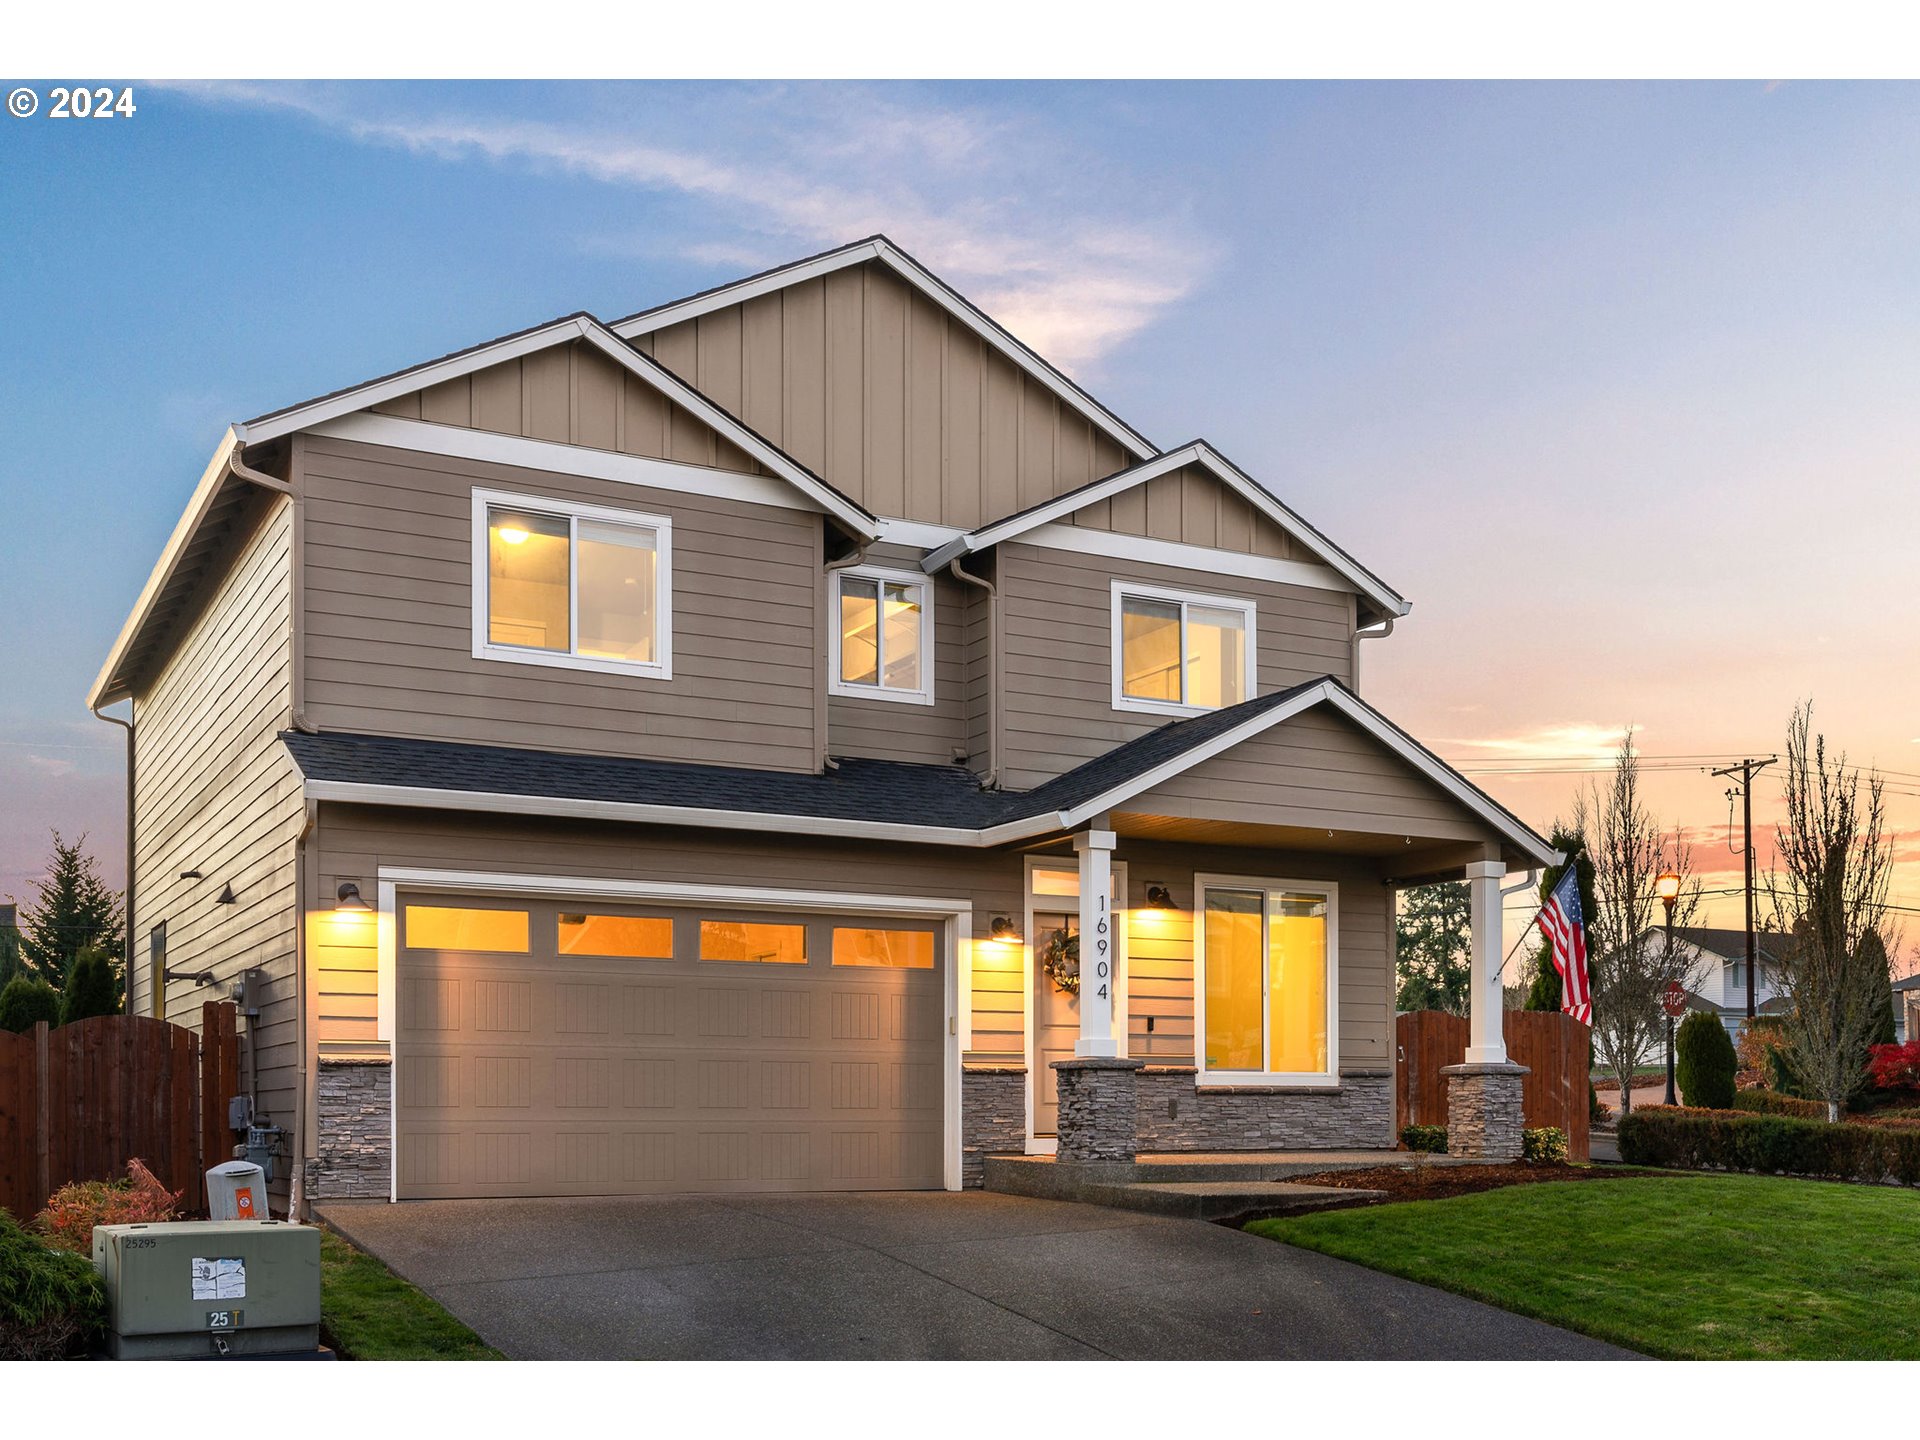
(389, 618)
(573, 394)
(354, 842)
(1057, 621)
(1191, 507)
(871, 385)
(892, 729)
(216, 792)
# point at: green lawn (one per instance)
(369, 1313)
(1689, 1267)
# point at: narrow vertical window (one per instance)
(1267, 966)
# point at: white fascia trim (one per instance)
(928, 285)
(456, 442)
(1199, 558)
(183, 532)
(1197, 453)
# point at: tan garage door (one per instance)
(575, 1049)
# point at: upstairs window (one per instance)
(580, 586)
(1180, 654)
(882, 647)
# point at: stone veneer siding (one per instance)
(1485, 1118)
(1175, 1116)
(993, 1117)
(353, 1144)
(1099, 1109)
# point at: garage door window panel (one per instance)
(469, 928)
(883, 949)
(753, 942)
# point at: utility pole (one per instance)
(1746, 770)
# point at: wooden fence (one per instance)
(78, 1102)
(1553, 1047)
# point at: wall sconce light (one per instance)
(1158, 898)
(347, 897)
(226, 896)
(1004, 929)
(189, 874)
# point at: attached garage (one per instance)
(574, 1047)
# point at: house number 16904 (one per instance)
(1100, 949)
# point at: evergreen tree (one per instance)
(1873, 950)
(25, 1001)
(76, 911)
(10, 962)
(1434, 947)
(1544, 992)
(92, 989)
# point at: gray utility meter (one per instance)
(188, 1289)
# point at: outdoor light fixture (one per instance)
(1003, 929)
(1667, 887)
(1158, 898)
(226, 896)
(347, 897)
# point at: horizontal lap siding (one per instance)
(389, 639)
(216, 792)
(1313, 770)
(876, 388)
(1057, 613)
(893, 730)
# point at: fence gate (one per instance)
(78, 1102)
(1553, 1047)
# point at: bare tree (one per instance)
(1833, 867)
(1629, 961)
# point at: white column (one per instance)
(1095, 848)
(1486, 1029)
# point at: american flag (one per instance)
(1564, 924)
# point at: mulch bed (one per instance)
(1441, 1182)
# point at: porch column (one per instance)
(1095, 849)
(1486, 1029)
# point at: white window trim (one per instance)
(923, 695)
(1331, 1075)
(1123, 701)
(573, 511)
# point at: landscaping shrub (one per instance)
(1431, 1139)
(1545, 1146)
(24, 1002)
(1771, 1102)
(1896, 1067)
(92, 988)
(73, 1210)
(1684, 1139)
(1704, 1061)
(51, 1303)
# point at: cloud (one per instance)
(1577, 740)
(994, 203)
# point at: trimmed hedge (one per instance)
(1772, 1102)
(1544, 1146)
(1430, 1139)
(1704, 1062)
(1683, 1139)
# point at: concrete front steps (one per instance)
(1196, 1187)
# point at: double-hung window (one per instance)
(882, 635)
(586, 587)
(1268, 953)
(1180, 654)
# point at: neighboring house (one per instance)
(1717, 980)
(1906, 1008)
(657, 756)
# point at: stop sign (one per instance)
(1673, 999)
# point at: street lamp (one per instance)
(1667, 887)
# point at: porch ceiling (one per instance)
(1401, 856)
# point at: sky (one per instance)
(1615, 382)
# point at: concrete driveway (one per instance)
(910, 1276)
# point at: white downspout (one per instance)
(995, 741)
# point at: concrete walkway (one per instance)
(909, 1276)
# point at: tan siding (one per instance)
(1191, 507)
(573, 394)
(389, 595)
(881, 393)
(1317, 769)
(892, 730)
(1057, 611)
(355, 841)
(218, 793)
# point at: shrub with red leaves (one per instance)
(73, 1210)
(1896, 1067)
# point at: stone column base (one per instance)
(1484, 1118)
(1099, 1108)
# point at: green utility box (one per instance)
(188, 1289)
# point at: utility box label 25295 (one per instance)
(224, 1279)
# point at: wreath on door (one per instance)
(1060, 959)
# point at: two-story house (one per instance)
(675, 753)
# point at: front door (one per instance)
(1056, 1023)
